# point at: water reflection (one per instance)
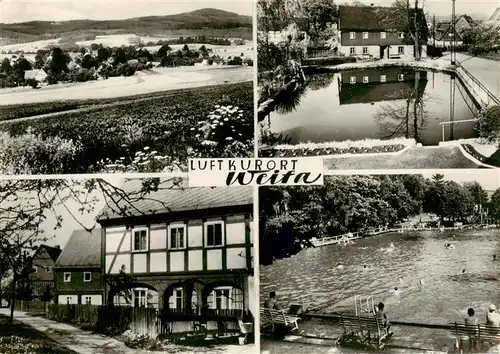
(375, 103)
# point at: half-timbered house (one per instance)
(184, 251)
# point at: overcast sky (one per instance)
(443, 7)
(12, 11)
(488, 179)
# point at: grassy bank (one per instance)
(19, 338)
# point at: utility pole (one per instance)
(415, 24)
(453, 54)
(434, 30)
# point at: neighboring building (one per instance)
(375, 85)
(78, 274)
(38, 74)
(189, 252)
(444, 34)
(372, 32)
(41, 278)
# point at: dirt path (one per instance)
(85, 342)
(413, 158)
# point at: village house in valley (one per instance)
(189, 252)
(373, 32)
(78, 273)
(41, 277)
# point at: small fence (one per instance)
(140, 320)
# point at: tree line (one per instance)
(291, 216)
(61, 66)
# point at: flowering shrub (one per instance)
(33, 154)
(225, 133)
(144, 161)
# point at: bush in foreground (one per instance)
(489, 124)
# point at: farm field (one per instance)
(155, 80)
(165, 123)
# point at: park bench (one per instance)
(270, 318)
(366, 329)
(480, 333)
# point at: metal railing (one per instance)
(490, 95)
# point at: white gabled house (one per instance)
(37, 74)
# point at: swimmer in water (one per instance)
(494, 257)
(340, 266)
(396, 290)
(421, 281)
(392, 245)
(463, 271)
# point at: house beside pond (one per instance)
(78, 274)
(187, 252)
(374, 32)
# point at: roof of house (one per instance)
(173, 197)
(83, 249)
(372, 18)
(32, 74)
(53, 252)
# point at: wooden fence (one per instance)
(105, 319)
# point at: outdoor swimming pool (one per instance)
(312, 276)
(376, 103)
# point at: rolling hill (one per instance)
(202, 19)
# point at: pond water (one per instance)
(375, 103)
(444, 296)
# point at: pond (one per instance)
(376, 103)
(431, 285)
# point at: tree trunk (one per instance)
(13, 299)
(415, 22)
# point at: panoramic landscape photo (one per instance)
(124, 86)
(380, 84)
(114, 265)
(408, 263)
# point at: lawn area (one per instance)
(166, 123)
(23, 339)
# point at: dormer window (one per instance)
(401, 35)
(352, 35)
(383, 35)
(365, 35)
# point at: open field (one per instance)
(165, 122)
(155, 80)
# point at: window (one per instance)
(352, 50)
(176, 300)
(401, 77)
(214, 234)
(48, 269)
(383, 78)
(88, 300)
(365, 50)
(383, 35)
(140, 240)
(401, 50)
(67, 277)
(352, 80)
(226, 298)
(365, 35)
(401, 35)
(68, 300)
(177, 238)
(140, 297)
(352, 35)
(365, 79)
(87, 276)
